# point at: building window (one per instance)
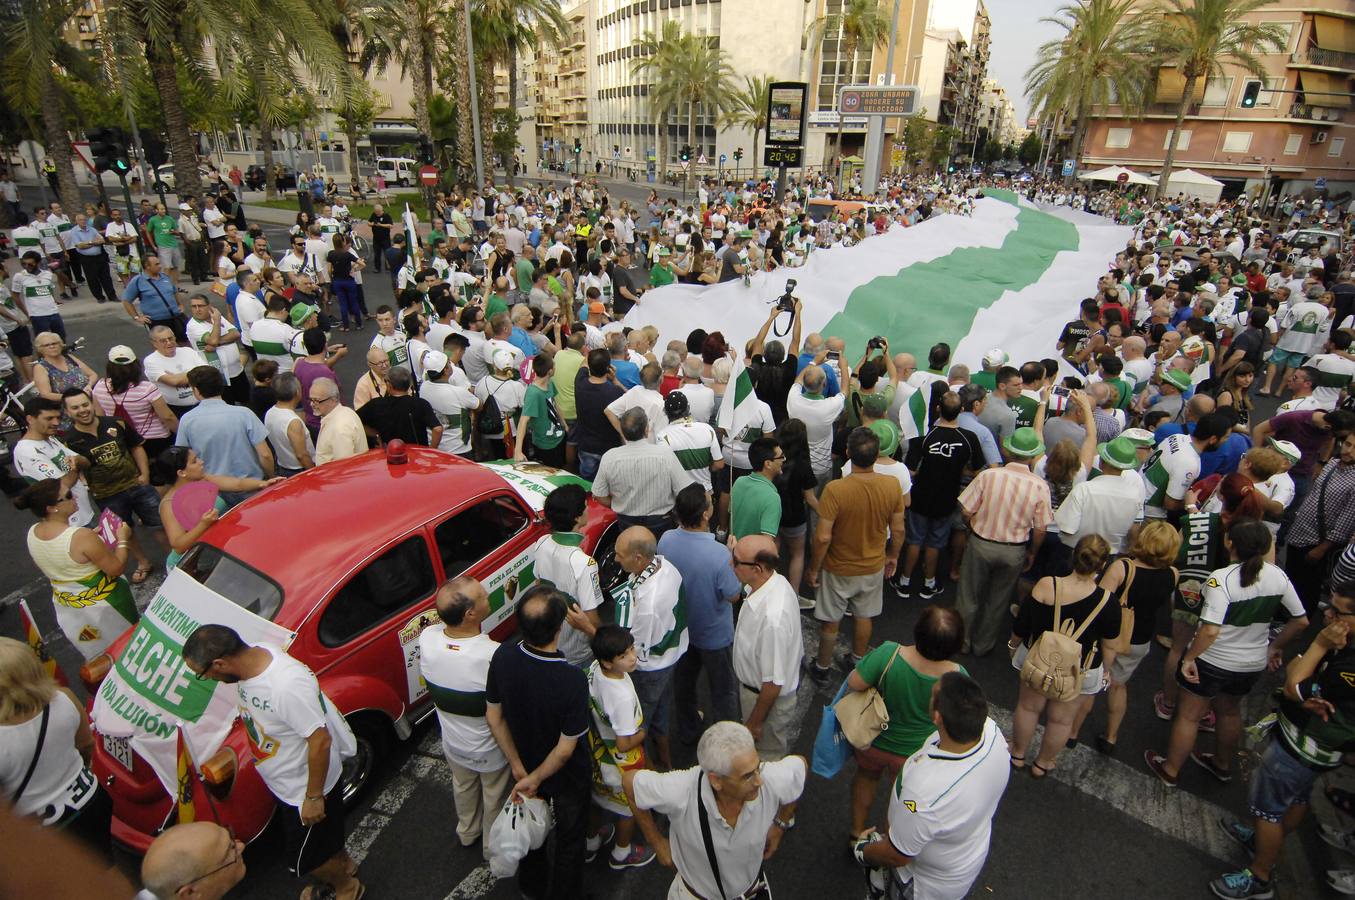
(1336, 146)
(1216, 92)
(1292, 144)
(1182, 139)
(1236, 141)
(1118, 138)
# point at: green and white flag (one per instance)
(738, 403)
(913, 413)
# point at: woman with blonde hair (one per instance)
(1143, 581)
(45, 746)
(1082, 604)
(56, 371)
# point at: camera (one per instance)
(787, 301)
(1058, 398)
(875, 343)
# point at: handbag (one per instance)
(831, 749)
(863, 714)
(759, 890)
(1122, 641)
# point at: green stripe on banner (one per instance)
(936, 301)
(457, 703)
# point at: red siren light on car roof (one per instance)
(395, 453)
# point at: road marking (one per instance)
(420, 771)
(478, 883)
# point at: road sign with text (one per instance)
(870, 100)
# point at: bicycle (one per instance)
(356, 241)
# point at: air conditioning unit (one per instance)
(1319, 137)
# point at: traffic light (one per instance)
(425, 151)
(154, 148)
(107, 147)
(578, 146)
(950, 168)
(738, 154)
(1250, 93)
(685, 154)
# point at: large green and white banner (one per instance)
(150, 691)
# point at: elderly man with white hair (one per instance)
(754, 802)
(341, 431)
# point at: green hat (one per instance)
(1120, 453)
(746, 233)
(1139, 437)
(1178, 379)
(874, 404)
(1023, 443)
(888, 433)
(1239, 279)
(664, 251)
(301, 312)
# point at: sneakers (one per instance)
(1157, 764)
(807, 603)
(1335, 837)
(1243, 835)
(1241, 885)
(1164, 710)
(928, 590)
(1341, 880)
(818, 673)
(1209, 763)
(593, 845)
(638, 856)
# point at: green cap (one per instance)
(1178, 379)
(1024, 443)
(1120, 453)
(664, 251)
(301, 312)
(888, 433)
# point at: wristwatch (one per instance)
(784, 826)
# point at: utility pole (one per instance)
(474, 105)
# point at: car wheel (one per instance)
(610, 574)
(372, 736)
(403, 182)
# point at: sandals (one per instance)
(1018, 762)
(141, 574)
(1105, 746)
(1038, 771)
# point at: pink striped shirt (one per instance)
(1006, 504)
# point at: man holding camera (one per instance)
(808, 404)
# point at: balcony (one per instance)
(1328, 59)
(1315, 113)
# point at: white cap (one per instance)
(1288, 449)
(434, 362)
(995, 357)
(502, 359)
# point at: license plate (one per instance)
(120, 748)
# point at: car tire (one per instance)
(610, 573)
(373, 737)
(403, 182)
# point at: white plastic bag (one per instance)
(519, 829)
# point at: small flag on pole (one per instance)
(736, 409)
(34, 638)
(187, 775)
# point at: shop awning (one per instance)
(1334, 34)
(1325, 89)
(1171, 84)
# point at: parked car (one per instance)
(256, 178)
(1302, 239)
(166, 174)
(399, 170)
(349, 556)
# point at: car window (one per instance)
(398, 578)
(232, 579)
(474, 533)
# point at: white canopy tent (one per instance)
(1113, 173)
(1194, 184)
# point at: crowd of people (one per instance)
(1126, 491)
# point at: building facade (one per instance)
(1301, 129)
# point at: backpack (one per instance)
(490, 422)
(1053, 667)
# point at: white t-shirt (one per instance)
(280, 708)
(40, 460)
(1169, 473)
(818, 416)
(648, 605)
(758, 423)
(616, 711)
(696, 446)
(184, 359)
(941, 810)
(451, 403)
(1301, 323)
(1108, 506)
(561, 560)
(700, 401)
(248, 309)
(38, 292)
(226, 357)
(767, 642)
(273, 339)
(1337, 372)
(649, 401)
(60, 781)
(455, 669)
(508, 396)
(212, 218)
(278, 420)
(884, 466)
(1245, 614)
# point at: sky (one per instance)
(1017, 32)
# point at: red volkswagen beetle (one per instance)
(349, 556)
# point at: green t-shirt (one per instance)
(756, 507)
(661, 275)
(567, 365)
(985, 379)
(434, 235)
(524, 268)
(907, 694)
(162, 231)
(547, 428)
(1026, 408)
(494, 306)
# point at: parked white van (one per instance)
(397, 170)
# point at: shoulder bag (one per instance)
(863, 714)
(1121, 643)
(759, 890)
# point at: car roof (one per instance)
(288, 531)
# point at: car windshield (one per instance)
(232, 579)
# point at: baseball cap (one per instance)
(184, 207)
(301, 312)
(123, 354)
(434, 362)
(995, 357)
(596, 307)
(1288, 449)
(502, 359)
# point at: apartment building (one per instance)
(1301, 129)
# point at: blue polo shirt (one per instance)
(707, 584)
(157, 295)
(627, 372)
(224, 436)
(830, 389)
(78, 235)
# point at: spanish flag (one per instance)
(187, 775)
(34, 638)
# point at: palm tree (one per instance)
(749, 108)
(1200, 37)
(352, 23)
(1099, 60)
(32, 48)
(692, 73)
(862, 23)
(656, 56)
(410, 34)
(465, 134)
